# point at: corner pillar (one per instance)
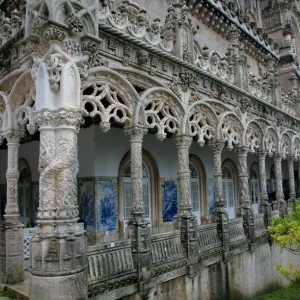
(265, 205)
(12, 230)
(139, 229)
(187, 222)
(220, 214)
(280, 202)
(292, 195)
(246, 209)
(58, 250)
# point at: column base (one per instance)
(11, 252)
(70, 287)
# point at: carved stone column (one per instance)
(265, 205)
(220, 214)
(187, 222)
(58, 249)
(292, 195)
(246, 209)
(139, 230)
(280, 203)
(12, 230)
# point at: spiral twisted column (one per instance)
(265, 205)
(280, 202)
(246, 209)
(292, 195)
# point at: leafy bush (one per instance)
(286, 234)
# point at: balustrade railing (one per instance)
(166, 247)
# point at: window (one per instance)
(254, 189)
(228, 190)
(198, 189)
(195, 191)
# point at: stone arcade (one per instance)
(168, 128)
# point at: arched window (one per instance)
(24, 191)
(198, 190)
(228, 182)
(151, 193)
(254, 189)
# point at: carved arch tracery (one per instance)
(161, 110)
(202, 122)
(253, 137)
(271, 141)
(296, 148)
(285, 145)
(108, 96)
(230, 129)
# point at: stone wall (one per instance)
(245, 275)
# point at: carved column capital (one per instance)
(243, 150)
(136, 133)
(13, 136)
(183, 141)
(217, 147)
(59, 117)
(262, 154)
(277, 157)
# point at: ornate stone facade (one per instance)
(66, 66)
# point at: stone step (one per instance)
(21, 289)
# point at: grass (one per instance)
(7, 294)
(290, 293)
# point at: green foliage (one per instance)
(290, 293)
(286, 234)
(7, 294)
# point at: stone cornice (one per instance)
(124, 37)
(229, 16)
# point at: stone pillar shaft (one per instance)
(12, 175)
(243, 178)
(220, 214)
(246, 210)
(139, 229)
(183, 144)
(58, 249)
(11, 230)
(280, 203)
(266, 209)
(292, 195)
(136, 140)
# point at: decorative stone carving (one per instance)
(142, 57)
(254, 137)
(202, 124)
(231, 131)
(183, 144)
(292, 195)
(162, 113)
(280, 202)
(96, 94)
(12, 174)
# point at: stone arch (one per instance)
(159, 109)
(108, 96)
(200, 121)
(20, 103)
(296, 147)
(253, 136)
(295, 24)
(230, 129)
(271, 141)
(285, 145)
